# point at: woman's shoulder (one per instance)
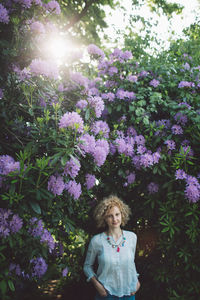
(96, 239)
(130, 234)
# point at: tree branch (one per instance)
(78, 17)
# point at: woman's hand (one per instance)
(99, 287)
(137, 288)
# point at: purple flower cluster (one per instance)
(37, 230)
(95, 51)
(8, 165)
(90, 181)
(65, 272)
(170, 144)
(87, 143)
(1, 93)
(121, 56)
(130, 178)
(81, 104)
(72, 167)
(187, 84)
(132, 78)
(192, 190)
(154, 83)
(9, 223)
(44, 68)
(56, 185)
(97, 104)
(53, 7)
(101, 128)
(108, 96)
(152, 188)
(4, 17)
(100, 152)
(121, 94)
(79, 79)
(39, 267)
(177, 129)
(181, 118)
(74, 189)
(37, 27)
(72, 120)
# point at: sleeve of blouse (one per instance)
(89, 261)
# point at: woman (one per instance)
(114, 249)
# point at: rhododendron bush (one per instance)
(68, 139)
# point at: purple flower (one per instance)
(95, 51)
(170, 144)
(186, 150)
(101, 127)
(103, 144)
(192, 192)
(72, 120)
(99, 155)
(109, 96)
(156, 156)
(187, 84)
(15, 268)
(146, 160)
(65, 272)
(81, 104)
(53, 7)
(180, 174)
(56, 185)
(141, 149)
(15, 224)
(90, 181)
(143, 74)
(79, 79)
(152, 188)
(176, 129)
(136, 162)
(74, 189)
(39, 267)
(154, 83)
(87, 143)
(37, 27)
(37, 230)
(132, 78)
(140, 140)
(191, 180)
(97, 104)
(45, 68)
(8, 165)
(4, 17)
(130, 178)
(1, 93)
(112, 71)
(180, 118)
(72, 167)
(131, 131)
(9, 223)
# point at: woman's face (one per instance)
(113, 217)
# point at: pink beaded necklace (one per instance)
(121, 244)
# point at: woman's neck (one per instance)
(115, 233)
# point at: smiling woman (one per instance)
(115, 249)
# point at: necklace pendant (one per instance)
(118, 249)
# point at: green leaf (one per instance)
(11, 285)
(36, 208)
(3, 286)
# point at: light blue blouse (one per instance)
(116, 270)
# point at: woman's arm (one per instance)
(99, 287)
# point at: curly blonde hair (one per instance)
(105, 205)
